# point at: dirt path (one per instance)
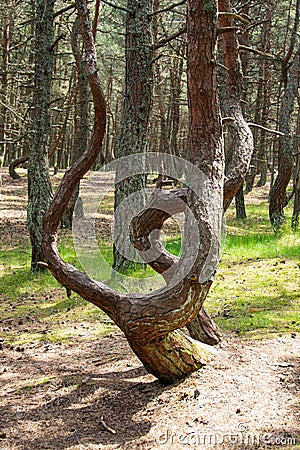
(97, 395)
(64, 396)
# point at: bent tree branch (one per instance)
(150, 322)
(149, 222)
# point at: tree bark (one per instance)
(82, 118)
(150, 321)
(277, 200)
(242, 139)
(136, 111)
(39, 186)
(240, 204)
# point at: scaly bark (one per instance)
(136, 110)
(242, 139)
(39, 186)
(82, 117)
(150, 321)
(277, 200)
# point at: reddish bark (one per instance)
(149, 321)
(242, 139)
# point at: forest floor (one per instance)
(89, 391)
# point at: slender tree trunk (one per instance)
(39, 186)
(4, 86)
(240, 204)
(296, 209)
(160, 88)
(257, 119)
(110, 119)
(81, 121)
(242, 139)
(176, 77)
(244, 39)
(163, 137)
(262, 153)
(286, 147)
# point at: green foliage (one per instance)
(256, 291)
(36, 308)
(255, 294)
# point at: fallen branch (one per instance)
(106, 427)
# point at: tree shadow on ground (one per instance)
(280, 439)
(102, 388)
(78, 404)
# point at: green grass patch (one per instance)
(35, 308)
(255, 294)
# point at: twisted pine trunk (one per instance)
(150, 322)
(286, 158)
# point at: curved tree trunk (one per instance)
(149, 222)
(150, 321)
(286, 147)
(242, 139)
(14, 164)
(81, 128)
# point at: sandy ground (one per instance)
(97, 395)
